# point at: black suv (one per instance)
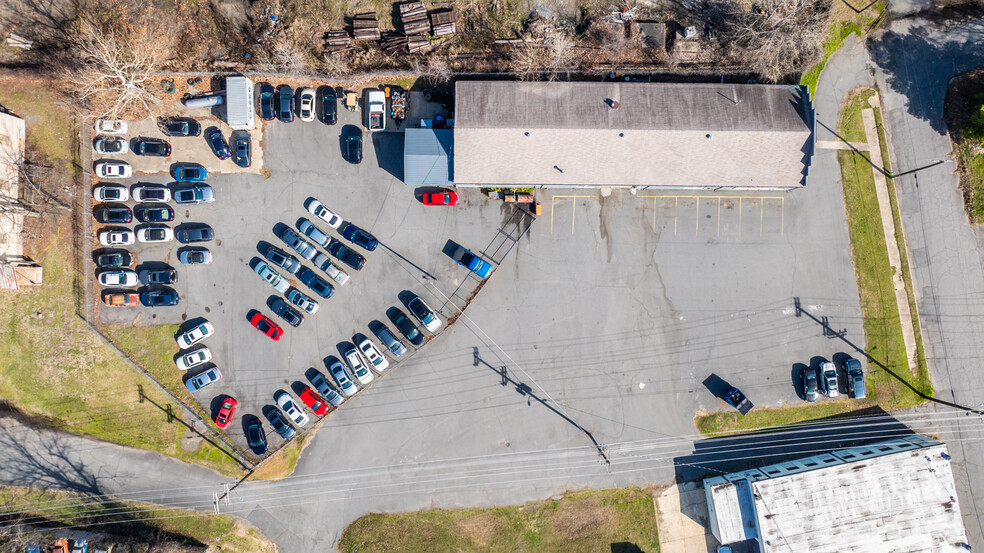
(151, 147)
(329, 106)
(285, 104)
(267, 111)
(116, 215)
(182, 126)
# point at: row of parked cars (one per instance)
(825, 380)
(361, 358)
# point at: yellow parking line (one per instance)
(741, 200)
(573, 211)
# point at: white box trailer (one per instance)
(239, 103)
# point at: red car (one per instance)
(445, 197)
(228, 409)
(266, 326)
(313, 402)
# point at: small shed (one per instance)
(239, 103)
(427, 157)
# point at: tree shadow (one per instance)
(918, 63)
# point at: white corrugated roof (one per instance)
(239, 103)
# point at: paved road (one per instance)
(914, 60)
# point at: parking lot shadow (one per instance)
(717, 385)
(389, 152)
(419, 192)
(717, 456)
(449, 247)
(215, 405)
(625, 547)
(271, 300)
(311, 373)
(250, 313)
(248, 419)
(406, 297)
(797, 377)
(253, 261)
(297, 387)
(342, 347)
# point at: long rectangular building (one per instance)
(642, 135)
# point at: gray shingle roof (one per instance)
(710, 135)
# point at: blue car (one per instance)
(279, 424)
(472, 262)
(315, 283)
(159, 298)
(359, 237)
(190, 173)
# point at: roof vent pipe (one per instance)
(611, 103)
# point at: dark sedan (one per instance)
(256, 437)
(314, 282)
(285, 104)
(182, 126)
(329, 106)
(241, 148)
(195, 234)
(408, 329)
(359, 237)
(346, 255)
(219, 146)
(280, 424)
(158, 276)
(116, 215)
(114, 260)
(155, 214)
(353, 149)
(284, 311)
(151, 147)
(159, 298)
(267, 111)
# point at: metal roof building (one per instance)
(427, 157)
(239, 103)
(896, 496)
(590, 134)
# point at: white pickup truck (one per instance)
(376, 110)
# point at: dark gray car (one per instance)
(283, 259)
(391, 342)
(242, 147)
(203, 233)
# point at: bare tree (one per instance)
(114, 77)
(562, 60)
(775, 39)
(288, 59)
(437, 71)
(527, 61)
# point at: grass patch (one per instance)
(588, 521)
(281, 464)
(844, 23)
(139, 520)
(49, 122)
(881, 321)
(57, 371)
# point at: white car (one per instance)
(358, 366)
(319, 210)
(116, 238)
(110, 146)
(110, 193)
(111, 126)
(322, 262)
(118, 278)
(194, 335)
(828, 379)
(113, 170)
(155, 234)
(375, 110)
(373, 355)
(305, 109)
(287, 405)
(151, 194)
(273, 278)
(193, 359)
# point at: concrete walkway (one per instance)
(888, 226)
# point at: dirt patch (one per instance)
(581, 518)
(480, 527)
(961, 99)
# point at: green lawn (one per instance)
(55, 370)
(888, 372)
(141, 521)
(972, 178)
(588, 522)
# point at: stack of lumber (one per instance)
(337, 40)
(442, 22)
(365, 26)
(418, 44)
(414, 17)
(393, 42)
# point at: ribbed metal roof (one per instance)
(427, 157)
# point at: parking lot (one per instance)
(619, 306)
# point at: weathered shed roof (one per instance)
(692, 135)
(427, 157)
(890, 497)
